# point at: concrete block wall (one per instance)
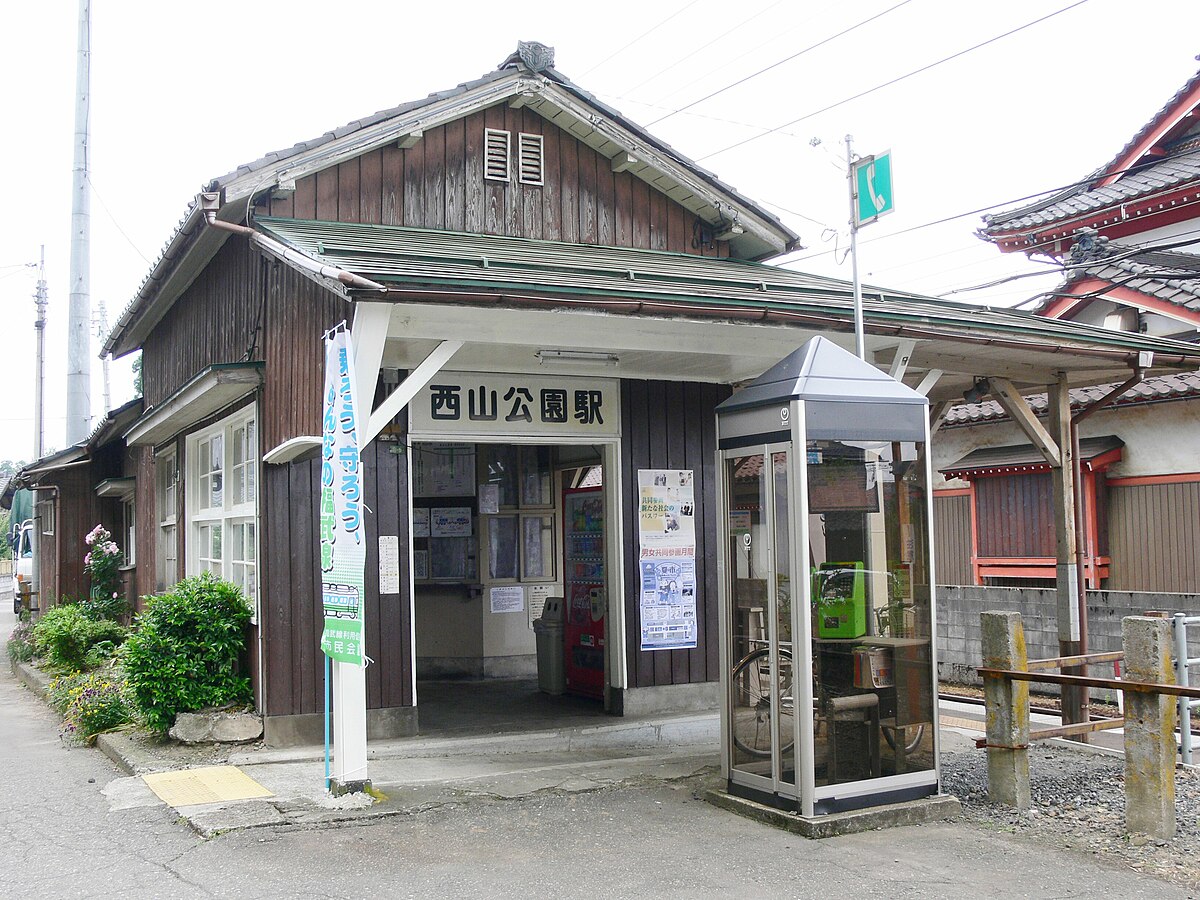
(959, 609)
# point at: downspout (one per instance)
(1080, 526)
(210, 203)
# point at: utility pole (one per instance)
(40, 300)
(79, 356)
(859, 341)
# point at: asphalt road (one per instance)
(59, 837)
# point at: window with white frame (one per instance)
(166, 481)
(222, 479)
(129, 529)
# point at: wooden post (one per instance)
(1067, 580)
(1149, 729)
(1007, 706)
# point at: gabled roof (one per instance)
(1094, 453)
(527, 78)
(1163, 156)
(821, 370)
(1160, 388)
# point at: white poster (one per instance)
(421, 522)
(443, 470)
(389, 564)
(538, 593)
(667, 558)
(508, 599)
(450, 521)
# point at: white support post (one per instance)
(369, 334)
(927, 383)
(349, 727)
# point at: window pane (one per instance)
(216, 542)
(251, 543)
(538, 550)
(502, 547)
(535, 476)
(237, 542)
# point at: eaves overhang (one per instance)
(207, 393)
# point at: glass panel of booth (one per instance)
(871, 626)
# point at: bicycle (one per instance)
(752, 720)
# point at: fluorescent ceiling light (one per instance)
(599, 357)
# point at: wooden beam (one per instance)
(623, 161)
(901, 357)
(927, 383)
(1014, 404)
(400, 397)
(410, 140)
(937, 415)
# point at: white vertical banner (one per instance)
(343, 558)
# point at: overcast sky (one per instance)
(183, 92)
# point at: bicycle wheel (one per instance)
(889, 734)
(751, 721)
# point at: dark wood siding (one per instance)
(952, 539)
(1015, 518)
(1154, 537)
(290, 617)
(298, 313)
(145, 503)
(438, 183)
(215, 321)
(671, 425)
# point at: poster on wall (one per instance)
(667, 559)
(443, 470)
(507, 599)
(343, 547)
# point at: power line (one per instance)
(776, 65)
(725, 32)
(648, 31)
(893, 81)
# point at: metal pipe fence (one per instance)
(1179, 624)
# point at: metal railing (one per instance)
(1179, 624)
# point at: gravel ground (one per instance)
(1079, 803)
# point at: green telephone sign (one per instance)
(873, 188)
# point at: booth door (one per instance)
(760, 694)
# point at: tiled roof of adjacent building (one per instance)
(1180, 166)
(1157, 389)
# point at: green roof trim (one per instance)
(456, 261)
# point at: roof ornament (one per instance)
(534, 56)
(1089, 246)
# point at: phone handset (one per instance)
(878, 199)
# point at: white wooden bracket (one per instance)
(417, 379)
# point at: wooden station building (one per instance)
(545, 300)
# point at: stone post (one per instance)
(1149, 729)
(1007, 706)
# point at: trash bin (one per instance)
(548, 632)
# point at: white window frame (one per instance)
(235, 510)
(166, 487)
(129, 529)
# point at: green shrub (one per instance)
(65, 634)
(105, 606)
(183, 655)
(90, 703)
(20, 642)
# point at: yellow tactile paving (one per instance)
(956, 722)
(208, 784)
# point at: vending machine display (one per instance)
(586, 590)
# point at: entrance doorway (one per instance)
(499, 529)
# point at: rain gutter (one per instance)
(210, 204)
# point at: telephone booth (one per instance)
(826, 587)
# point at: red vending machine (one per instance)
(585, 589)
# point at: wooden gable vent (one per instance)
(496, 154)
(531, 166)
